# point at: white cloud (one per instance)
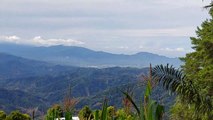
(123, 47)
(38, 40)
(174, 49)
(180, 49)
(10, 39)
(99, 23)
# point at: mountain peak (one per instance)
(84, 57)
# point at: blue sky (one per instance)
(116, 26)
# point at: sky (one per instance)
(117, 26)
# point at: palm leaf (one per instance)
(175, 81)
(132, 102)
(104, 110)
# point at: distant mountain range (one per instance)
(79, 56)
(27, 84)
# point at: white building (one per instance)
(73, 118)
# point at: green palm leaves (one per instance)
(175, 81)
(150, 109)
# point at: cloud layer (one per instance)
(39, 41)
(108, 25)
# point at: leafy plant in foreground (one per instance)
(150, 109)
(176, 82)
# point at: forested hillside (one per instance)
(46, 84)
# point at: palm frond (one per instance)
(175, 81)
(132, 102)
(168, 76)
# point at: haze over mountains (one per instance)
(26, 82)
(83, 57)
(18, 67)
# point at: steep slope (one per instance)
(89, 85)
(17, 99)
(78, 56)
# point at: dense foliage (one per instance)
(189, 95)
(149, 110)
(194, 84)
(14, 115)
(198, 66)
(54, 112)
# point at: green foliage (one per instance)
(85, 114)
(183, 111)
(16, 115)
(3, 115)
(104, 111)
(150, 110)
(68, 115)
(198, 65)
(107, 113)
(110, 112)
(188, 93)
(121, 115)
(97, 114)
(195, 86)
(54, 112)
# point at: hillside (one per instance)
(17, 67)
(40, 84)
(79, 56)
(19, 100)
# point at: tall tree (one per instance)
(195, 86)
(2, 115)
(198, 65)
(54, 112)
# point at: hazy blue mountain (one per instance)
(17, 67)
(28, 83)
(79, 56)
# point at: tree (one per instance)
(16, 115)
(194, 84)
(189, 97)
(85, 114)
(110, 112)
(150, 109)
(54, 112)
(198, 65)
(2, 115)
